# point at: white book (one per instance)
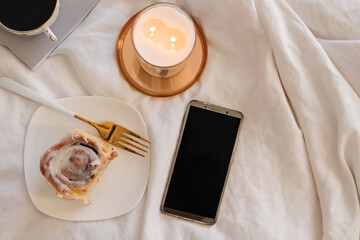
(33, 50)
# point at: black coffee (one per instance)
(25, 15)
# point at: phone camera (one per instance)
(227, 112)
(205, 106)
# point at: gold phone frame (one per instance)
(186, 215)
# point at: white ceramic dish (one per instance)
(123, 182)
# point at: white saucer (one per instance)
(121, 185)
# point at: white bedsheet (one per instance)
(293, 69)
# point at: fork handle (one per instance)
(15, 87)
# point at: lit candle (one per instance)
(163, 36)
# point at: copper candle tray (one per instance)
(157, 86)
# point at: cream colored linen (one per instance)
(291, 67)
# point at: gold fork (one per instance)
(118, 135)
(109, 131)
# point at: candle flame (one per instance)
(155, 30)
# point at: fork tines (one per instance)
(129, 141)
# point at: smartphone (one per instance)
(201, 163)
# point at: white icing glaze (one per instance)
(61, 160)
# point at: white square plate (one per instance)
(121, 185)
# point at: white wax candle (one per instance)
(163, 35)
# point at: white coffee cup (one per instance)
(44, 28)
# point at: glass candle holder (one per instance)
(163, 37)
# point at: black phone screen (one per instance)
(202, 162)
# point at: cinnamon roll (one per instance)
(75, 164)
